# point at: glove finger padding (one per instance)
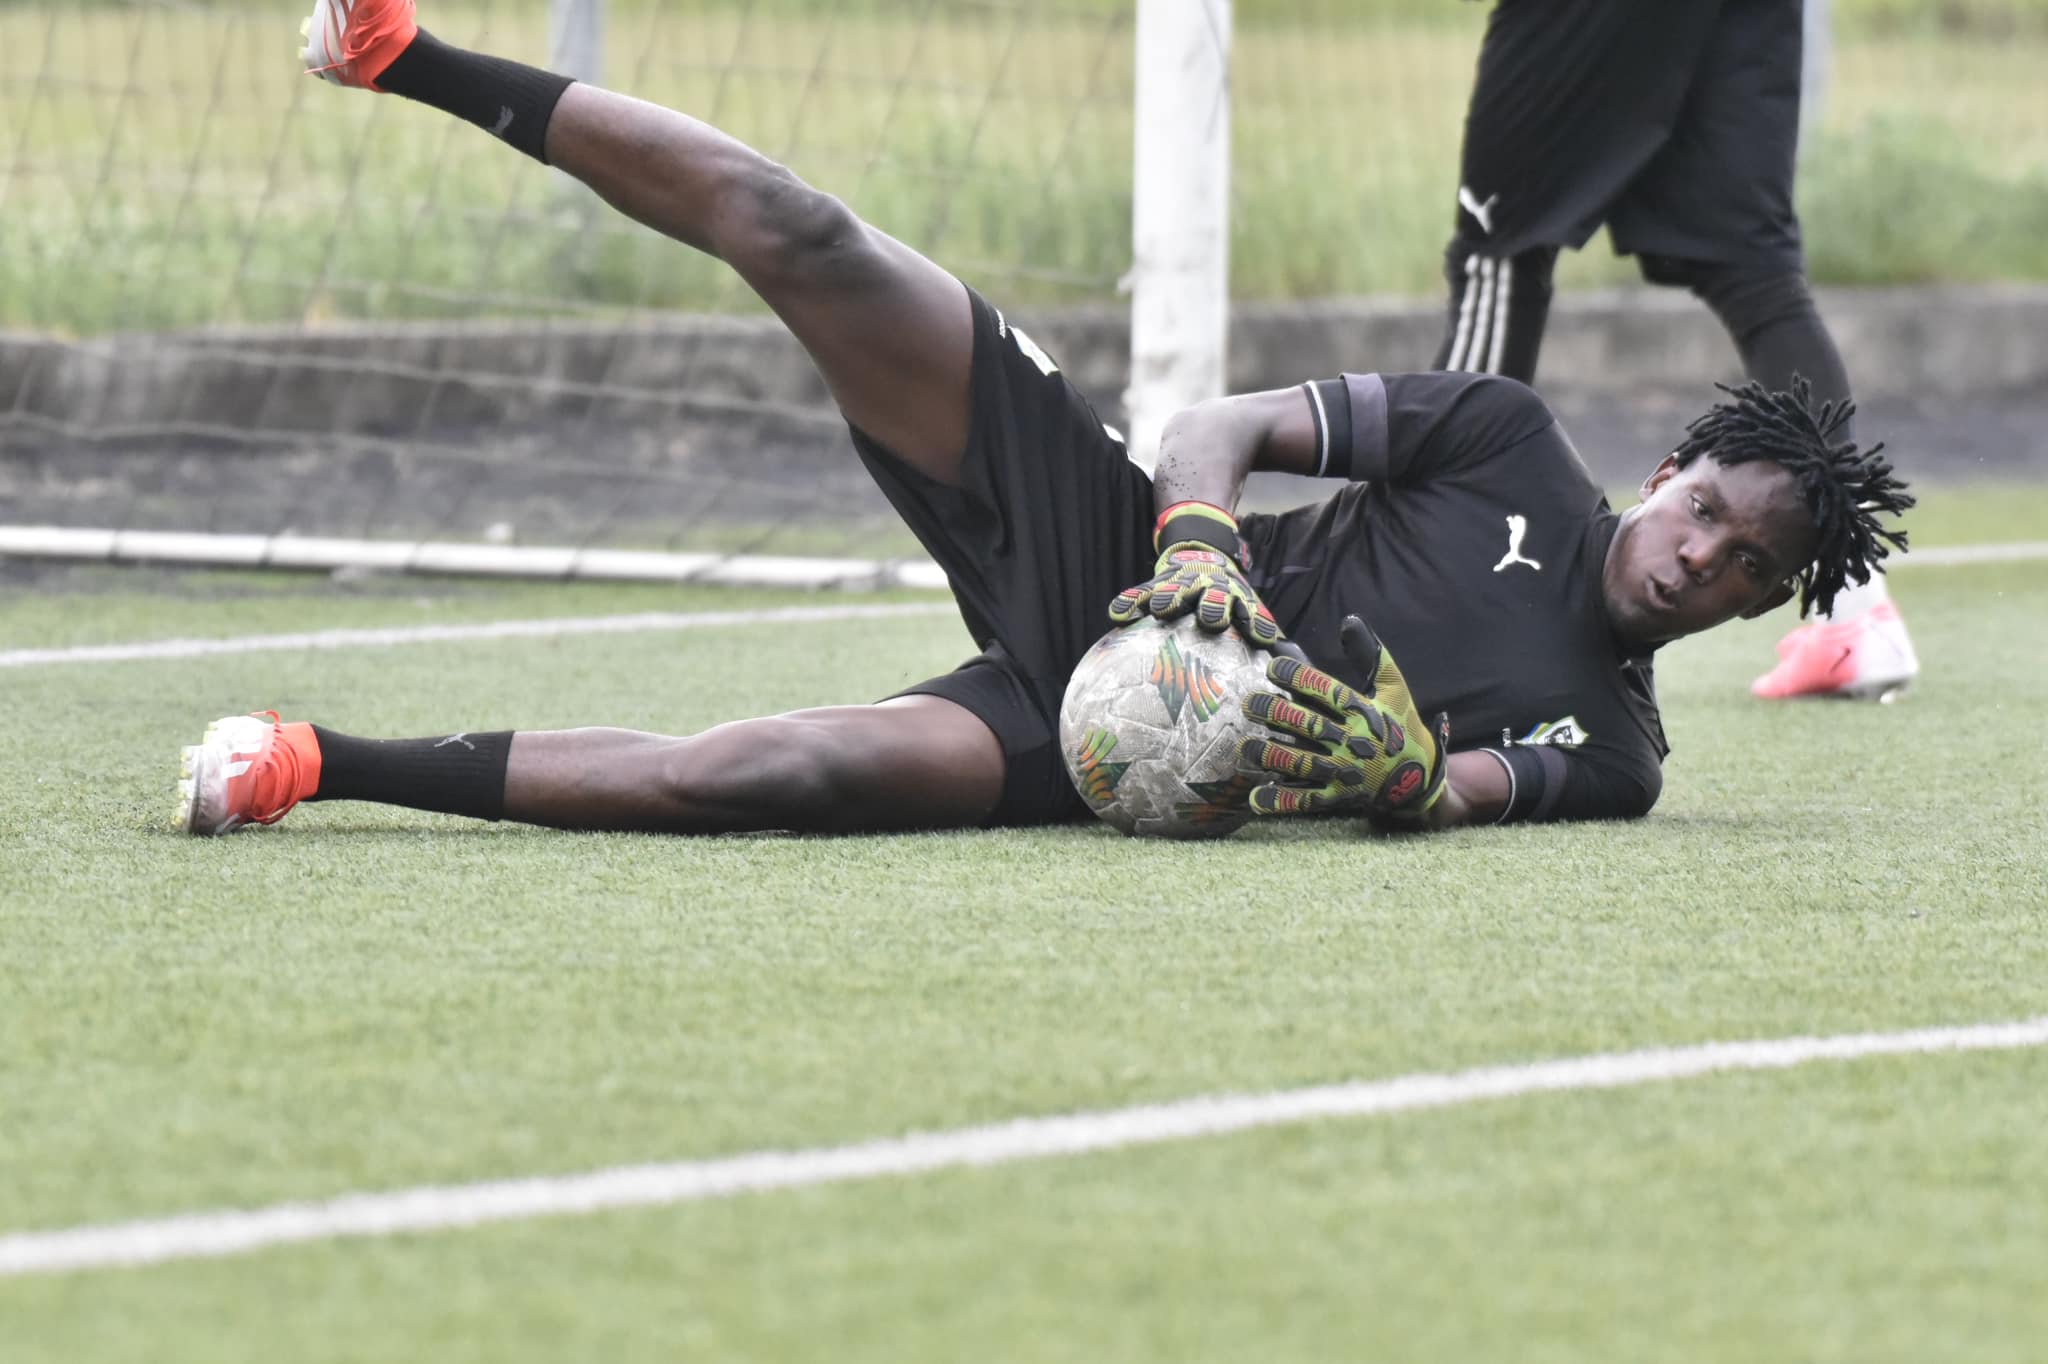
(1200, 571)
(1359, 749)
(1296, 764)
(1130, 604)
(1362, 646)
(1282, 713)
(1313, 687)
(1416, 750)
(1257, 622)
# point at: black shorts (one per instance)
(1674, 122)
(1050, 522)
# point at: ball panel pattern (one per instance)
(1150, 727)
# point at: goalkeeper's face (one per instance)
(1710, 542)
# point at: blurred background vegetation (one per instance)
(166, 165)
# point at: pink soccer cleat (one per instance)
(1869, 658)
(350, 42)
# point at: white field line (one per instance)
(209, 1235)
(441, 634)
(1957, 556)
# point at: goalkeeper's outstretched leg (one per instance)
(915, 762)
(891, 332)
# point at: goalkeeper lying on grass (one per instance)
(1522, 611)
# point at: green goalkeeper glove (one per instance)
(1345, 749)
(1200, 569)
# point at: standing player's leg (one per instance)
(1499, 306)
(1499, 294)
(1569, 100)
(1714, 213)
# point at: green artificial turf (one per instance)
(363, 998)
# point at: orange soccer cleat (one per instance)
(350, 42)
(249, 769)
(1868, 658)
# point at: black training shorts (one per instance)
(1674, 122)
(1050, 522)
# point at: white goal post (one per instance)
(1180, 213)
(576, 39)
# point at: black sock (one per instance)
(462, 774)
(510, 99)
(1771, 316)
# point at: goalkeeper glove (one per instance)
(1345, 749)
(1200, 569)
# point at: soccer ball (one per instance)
(1150, 727)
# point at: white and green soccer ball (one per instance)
(1150, 727)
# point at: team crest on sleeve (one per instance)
(1563, 733)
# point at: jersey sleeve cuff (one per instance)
(1535, 781)
(1350, 414)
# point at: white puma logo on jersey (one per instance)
(505, 121)
(1518, 526)
(462, 738)
(1483, 213)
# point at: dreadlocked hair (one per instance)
(1845, 488)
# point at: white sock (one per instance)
(1857, 598)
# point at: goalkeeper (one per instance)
(1502, 593)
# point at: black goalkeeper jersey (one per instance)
(1472, 539)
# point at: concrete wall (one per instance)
(425, 378)
(654, 431)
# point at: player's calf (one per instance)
(775, 772)
(735, 778)
(916, 762)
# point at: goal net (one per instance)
(241, 308)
